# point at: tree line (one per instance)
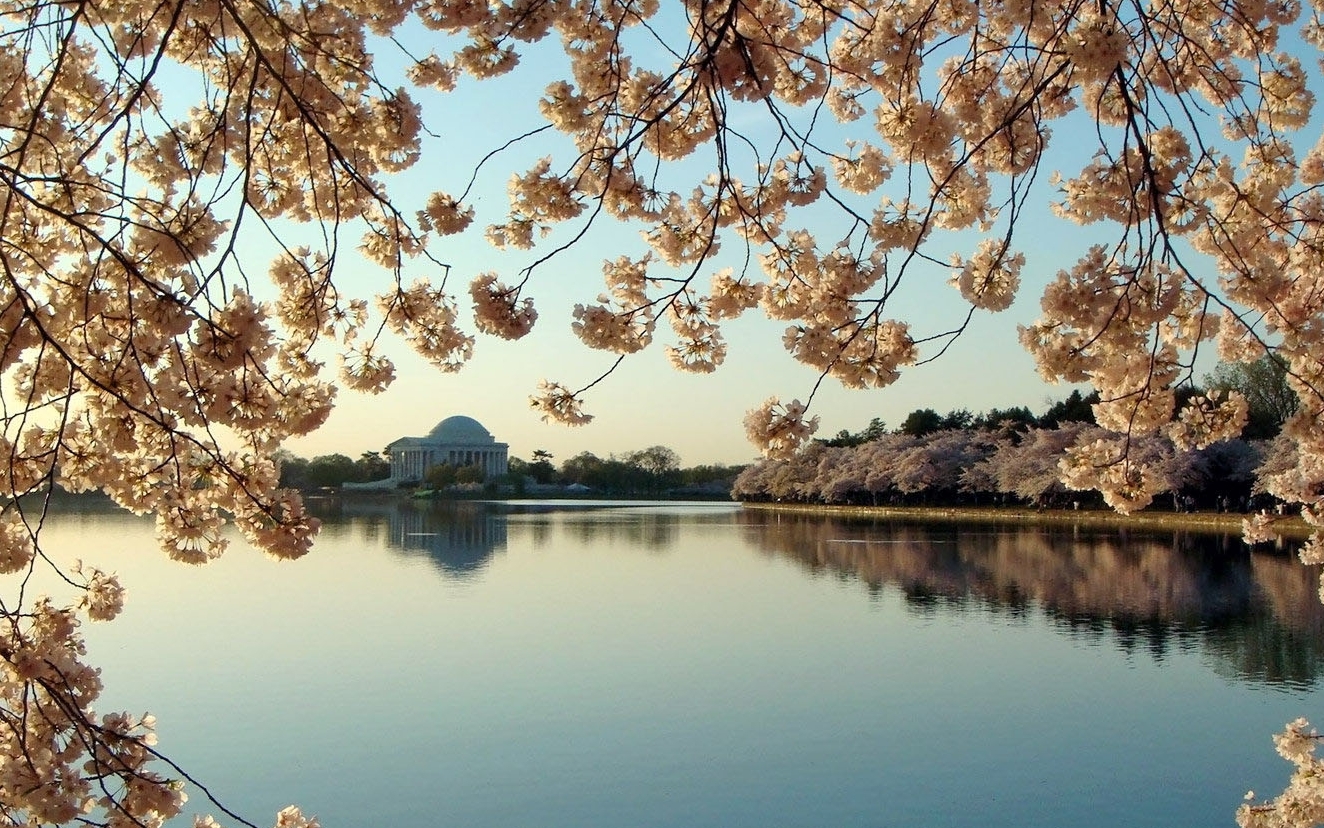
(997, 456)
(654, 471)
(1007, 456)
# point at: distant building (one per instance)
(459, 441)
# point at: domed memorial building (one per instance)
(459, 441)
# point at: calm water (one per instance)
(698, 665)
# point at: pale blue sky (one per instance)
(647, 402)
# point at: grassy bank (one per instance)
(1211, 522)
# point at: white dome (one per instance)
(460, 430)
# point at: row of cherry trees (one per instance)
(975, 466)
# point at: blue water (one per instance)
(699, 665)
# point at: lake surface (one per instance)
(700, 665)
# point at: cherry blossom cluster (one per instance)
(445, 215)
(58, 764)
(556, 403)
(702, 348)
(1128, 340)
(987, 118)
(498, 310)
(142, 357)
(1128, 482)
(428, 318)
(1207, 419)
(137, 356)
(599, 326)
(781, 427)
(990, 278)
(1302, 802)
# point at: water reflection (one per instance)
(627, 524)
(459, 538)
(1257, 616)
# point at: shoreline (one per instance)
(1290, 527)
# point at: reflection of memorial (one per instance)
(457, 537)
(1257, 615)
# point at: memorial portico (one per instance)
(459, 441)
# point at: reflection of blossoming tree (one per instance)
(146, 146)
